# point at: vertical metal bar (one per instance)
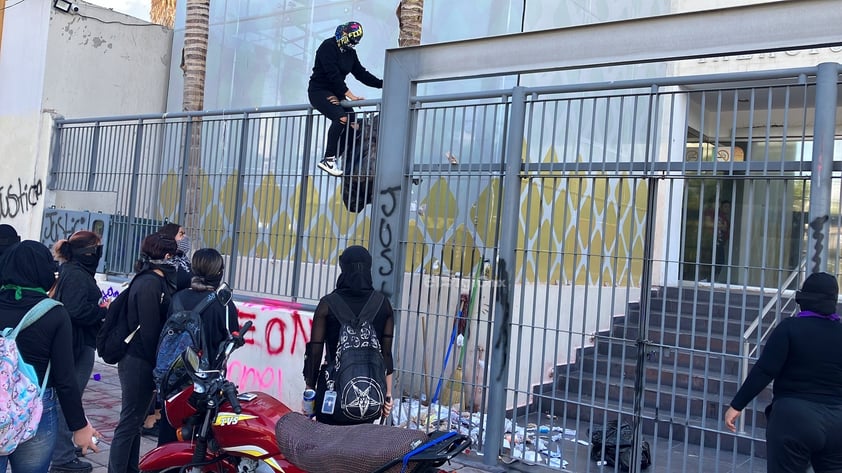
(238, 197)
(55, 166)
(131, 228)
(302, 207)
(645, 285)
(92, 165)
(506, 266)
(183, 174)
(820, 180)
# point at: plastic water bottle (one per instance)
(309, 403)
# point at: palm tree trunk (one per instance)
(194, 57)
(162, 12)
(410, 14)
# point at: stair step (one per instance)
(692, 429)
(616, 386)
(661, 321)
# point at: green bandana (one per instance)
(19, 290)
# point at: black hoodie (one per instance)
(354, 284)
(28, 272)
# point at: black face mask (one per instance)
(88, 257)
(170, 274)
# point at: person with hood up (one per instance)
(28, 272)
(803, 357)
(76, 288)
(354, 285)
(149, 300)
(8, 237)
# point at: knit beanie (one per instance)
(819, 294)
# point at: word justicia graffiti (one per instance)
(15, 201)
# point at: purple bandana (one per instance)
(810, 313)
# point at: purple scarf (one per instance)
(810, 313)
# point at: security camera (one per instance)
(75, 8)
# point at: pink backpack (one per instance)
(20, 395)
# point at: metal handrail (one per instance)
(747, 351)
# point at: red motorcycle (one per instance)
(220, 430)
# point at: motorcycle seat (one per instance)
(364, 448)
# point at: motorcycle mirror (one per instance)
(224, 293)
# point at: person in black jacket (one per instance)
(27, 270)
(803, 357)
(8, 237)
(218, 320)
(354, 285)
(149, 301)
(77, 290)
(335, 59)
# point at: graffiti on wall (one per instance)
(272, 358)
(20, 199)
(60, 224)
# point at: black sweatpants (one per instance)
(319, 99)
(800, 433)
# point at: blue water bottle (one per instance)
(309, 403)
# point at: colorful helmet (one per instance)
(349, 34)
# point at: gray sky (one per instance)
(135, 8)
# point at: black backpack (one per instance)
(358, 373)
(182, 329)
(114, 336)
(360, 158)
(618, 448)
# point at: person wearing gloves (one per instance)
(28, 273)
(803, 357)
(354, 286)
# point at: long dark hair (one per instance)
(207, 267)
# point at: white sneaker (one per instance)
(328, 165)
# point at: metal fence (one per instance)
(660, 229)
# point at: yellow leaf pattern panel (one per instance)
(573, 229)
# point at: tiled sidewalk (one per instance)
(102, 405)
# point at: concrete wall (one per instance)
(95, 68)
(23, 164)
(92, 62)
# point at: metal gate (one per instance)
(649, 239)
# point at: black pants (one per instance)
(137, 388)
(319, 99)
(800, 433)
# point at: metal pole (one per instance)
(238, 198)
(132, 230)
(56, 150)
(300, 224)
(392, 183)
(94, 157)
(505, 280)
(185, 166)
(820, 181)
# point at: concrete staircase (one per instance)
(691, 369)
